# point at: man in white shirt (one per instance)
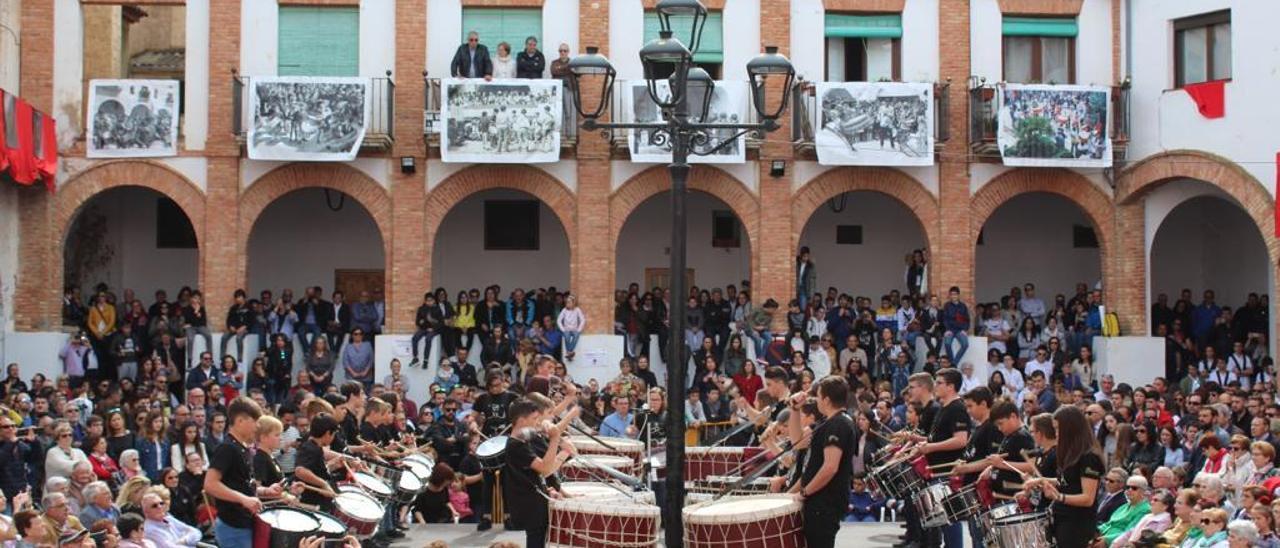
(1241, 364)
(819, 361)
(969, 380)
(1222, 374)
(164, 529)
(1012, 377)
(1032, 305)
(1105, 384)
(1040, 363)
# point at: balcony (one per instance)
(805, 112)
(378, 136)
(432, 123)
(983, 126)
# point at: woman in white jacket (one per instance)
(63, 457)
(571, 322)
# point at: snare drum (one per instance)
(408, 488)
(929, 504)
(589, 524)
(620, 446)
(372, 485)
(582, 468)
(1022, 530)
(360, 512)
(758, 521)
(897, 479)
(283, 528)
(601, 491)
(330, 527)
(390, 475)
(986, 520)
(490, 453)
(962, 505)
(418, 468)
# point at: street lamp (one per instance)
(668, 55)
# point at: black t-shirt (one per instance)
(350, 428)
(951, 419)
(655, 424)
(232, 460)
(1008, 482)
(311, 457)
(929, 415)
(1047, 466)
(494, 409)
(372, 433)
(1071, 482)
(265, 469)
(836, 431)
(523, 486)
(984, 441)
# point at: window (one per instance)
(863, 48)
(319, 41)
(724, 229)
(1202, 48)
(710, 54)
(511, 225)
(173, 228)
(1039, 50)
(497, 25)
(849, 234)
(1083, 237)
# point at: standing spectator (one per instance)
(806, 277)
(283, 319)
(560, 66)
(125, 348)
(530, 62)
(357, 360)
(279, 368)
(364, 314)
(239, 320)
(102, 324)
(337, 319)
(15, 457)
(311, 316)
(73, 311)
(504, 65)
(471, 60)
(571, 323)
(195, 321)
(78, 357)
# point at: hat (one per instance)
(72, 536)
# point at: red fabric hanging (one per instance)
(22, 158)
(48, 165)
(1209, 97)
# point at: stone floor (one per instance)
(465, 536)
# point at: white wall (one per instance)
(808, 34)
(920, 41)
(459, 260)
(1093, 45)
(68, 70)
(8, 259)
(259, 38)
(10, 60)
(298, 241)
(196, 118)
(646, 239)
(889, 231)
(444, 19)
(741, 37)
(985, 36)
(1028, 239)
(378, 39)
(559, 25)
(626, 37)
(137, 263)
(1209, 243)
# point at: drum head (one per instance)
(424, 460)
(329, 524)
(410, 482)
(289, 519)
(741, 509)
(418, 469)
(372, 483)
(492, 447)
(612, 461)
(359, 505)
(589, 489)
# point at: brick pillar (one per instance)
(407, 275)
(222, 259)
(953, 256)
(1124, 271)
(772, 255)
(592, 265)
(38, 294)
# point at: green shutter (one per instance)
(319, 41)
(710, 47)
(496, 25)
(843, 25)
(1040, 26)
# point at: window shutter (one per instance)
(319, 41)
(496, 25)
(844, 25)
(1040, 26)
(711, 46)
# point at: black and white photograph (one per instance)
(501, 121)
(874, 124)
(1064, 126)
(728, 106)
(308, 119)
(133, 118)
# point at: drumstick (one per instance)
(951, 464)
(309, 487)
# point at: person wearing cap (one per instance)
(76, 539)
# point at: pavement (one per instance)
(870, 535)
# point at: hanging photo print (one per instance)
(1050, 125)
(501, 121)
(874, 124)
(133, 118)
(308, 119)
(728, 106)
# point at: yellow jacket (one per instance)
(102, 321)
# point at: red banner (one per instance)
(19, 157)
(1209, 97)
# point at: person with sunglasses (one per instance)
(1128, 515)
(162, 528)
(472, 59)
(1213, 525)
(62, 458)
(16, 455)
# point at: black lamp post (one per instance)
(669, 56)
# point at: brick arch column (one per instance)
(36, 301)
(716, 182)
(297, 176)
(1077, 189)
(895, 184)
(1142, 178)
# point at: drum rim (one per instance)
(356, 478)
(571, 486)
(617, 443)
(599, 459)
(1020, 518)
(620, 507)
(701, 450)
(372, 503)
(286, 510)
(493, 442)
(325, 517)
(789, 506)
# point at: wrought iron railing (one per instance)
(806, 113)
(432, 122)
(984, 126)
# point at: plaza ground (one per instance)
(465, 536)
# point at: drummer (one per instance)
(525, 469)
(985, 441)
(311, 469)
(920, 395)
(1075, 488)
(1012, 454)
(828, 471)
(230, 478)
(492, 407)
(948, 436)
(651, 427)
(775, 385)
(265, 469)
(378, 430)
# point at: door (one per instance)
(661, 277)
(352, 282)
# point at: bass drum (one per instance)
(490, 452)
(283, 527)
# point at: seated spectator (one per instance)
(57, 514)
(132, 530)
(357, 359)
(98, 504)
(864, 505)
(162, 528)
(1152, 524)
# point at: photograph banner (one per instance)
(1055, 126)
(874, 124)
(313, 119)
(728, 106)
(133, 118)
(501, 121)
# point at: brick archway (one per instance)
(895, 184)
(656, 180)
(530, 180)
(297, 176)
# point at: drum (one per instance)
(490, 453)
(283, 527)
(883, 455)
(929, 504)
(986, 520)
(582, 468)
(360, 512)
(1021, 530)
(897, 479)
(330, 527)
(587, 523)
(418, 468)
(602, 491)
(389, 474)
(962, 505)
(408, 488)
(700, 462)
(372, 485)
(621, 446)
(716, 484)
(758, 521)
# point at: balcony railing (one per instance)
(806, 111)
(432, 122)
(378, 137)
(983, 126)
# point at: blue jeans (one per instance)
(955, 336)
(308, 329)
(953, 536)
(429, 335)
(571, 340)
(231, 537)
(975, 532)
(761, 340)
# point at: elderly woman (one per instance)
(81, 477)
(1157, 521)
(130, 464)
(1242, 534)
(1213, 527)
(130, 497)
(1185, 512)
(62, 457)
(1213, 493)
(133, 532)
(98, 504)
